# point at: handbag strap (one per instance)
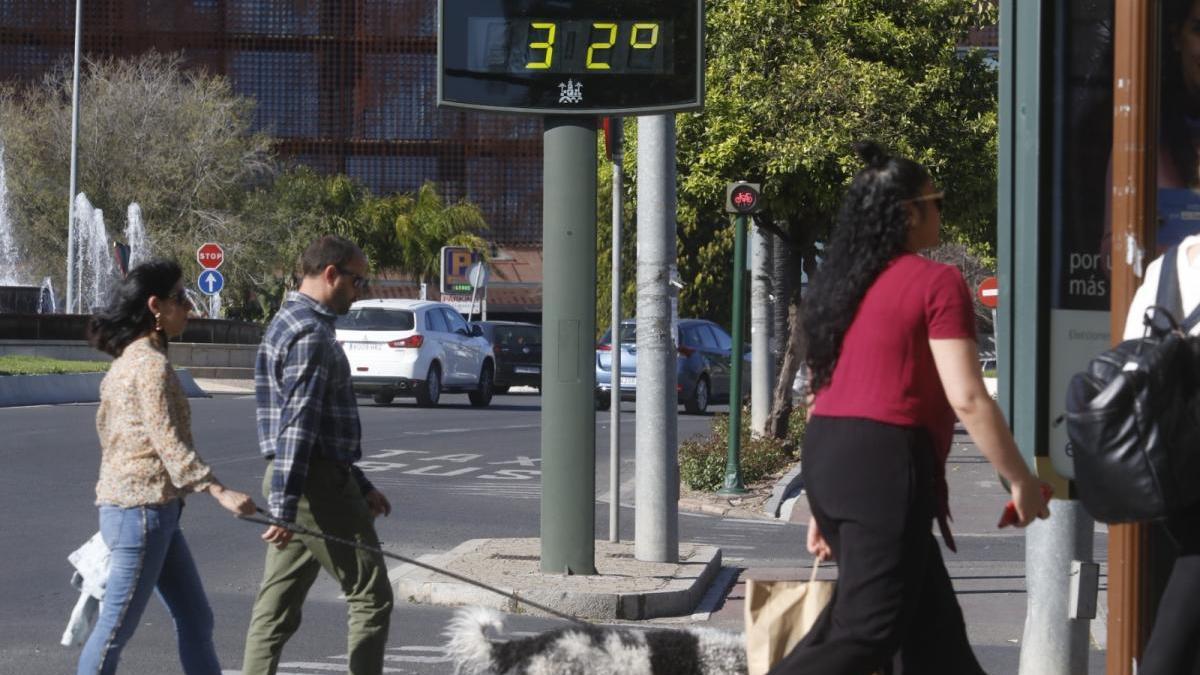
(816, 565)
(1169, 296)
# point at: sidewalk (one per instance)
(988, 571)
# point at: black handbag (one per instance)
(1133, 417)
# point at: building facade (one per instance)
(346, 86)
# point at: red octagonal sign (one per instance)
(210, 255)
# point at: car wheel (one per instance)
(697, 403)
(500, 389)
(383, 397)
(430, 391)
(483, 395)
(603, 401)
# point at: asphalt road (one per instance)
(453, 473)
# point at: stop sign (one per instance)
(210, 255)
(989, 292)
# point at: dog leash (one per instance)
(268, 519)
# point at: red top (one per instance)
(885, 371)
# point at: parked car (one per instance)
(517, 348)
(702, 372)
(415, 348)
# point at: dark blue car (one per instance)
(702, 372)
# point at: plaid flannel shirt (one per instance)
(306, 406)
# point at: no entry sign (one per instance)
(210, 255)
(989, 292)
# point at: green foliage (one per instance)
(790, 85)
(15, 364)
(702, 460)
(178, 143)
(399, 232)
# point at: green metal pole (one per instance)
(568, 519)
(733, 468)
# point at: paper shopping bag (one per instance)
(778, 615)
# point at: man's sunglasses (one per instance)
(938, 198)
(360, 282)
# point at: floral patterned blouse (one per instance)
(145, 426)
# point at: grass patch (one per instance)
(702, 460)
(18, 364)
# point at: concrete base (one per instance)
(624, 588)
(22, 390)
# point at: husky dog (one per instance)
(591, 650)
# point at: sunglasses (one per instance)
(180, 297)
(360, 282)
(938, 198)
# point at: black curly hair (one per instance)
(127, 316)
(871, 229)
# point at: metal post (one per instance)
(614, 412)
(733, 469)
(762, 366)
(656, 520)
(1135, 116)
(71, 293)
(568, 354)
(1054, 642)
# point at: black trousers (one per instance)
(871, 488)
(1174, 646)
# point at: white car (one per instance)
(415, 348)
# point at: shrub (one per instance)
(702, 460)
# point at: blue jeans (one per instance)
(148, 554)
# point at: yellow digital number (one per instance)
(548, 45)
(592, 64)
(633, 36)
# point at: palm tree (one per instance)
(424, 223)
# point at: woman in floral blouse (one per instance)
(148, 464)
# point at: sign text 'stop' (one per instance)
(210, 255)
(588, 57)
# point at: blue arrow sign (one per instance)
(211, 282)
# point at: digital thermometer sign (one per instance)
(594, 57)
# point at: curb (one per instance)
(680, 597)
(27, 390)
(786, 488)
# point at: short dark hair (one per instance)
(325, 251)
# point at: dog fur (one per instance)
(591, 650)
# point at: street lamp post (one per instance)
(71, 295)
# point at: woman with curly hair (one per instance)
(893, 360)
(148, 465)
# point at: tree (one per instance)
(790, 86)
(179, 143)
(424, 223)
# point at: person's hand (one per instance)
(238, 503)
(279, 536)
(378, 504)
(1028, 497)
(817, 545)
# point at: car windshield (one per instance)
(516, 336)
(628, 334)
(376, 318)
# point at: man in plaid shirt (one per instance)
(308, 430)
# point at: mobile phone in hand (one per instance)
(1009, 517)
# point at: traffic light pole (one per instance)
(733, 468)
(568, 354)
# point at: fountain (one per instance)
(46, 302)
(94, 269)
(8, 245)
(135, 236)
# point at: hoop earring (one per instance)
(157, 322)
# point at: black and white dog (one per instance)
(591, 650)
